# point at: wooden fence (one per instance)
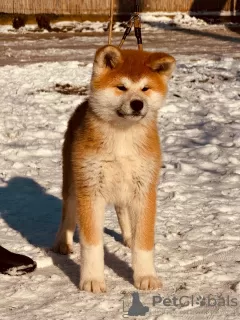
(75, 7)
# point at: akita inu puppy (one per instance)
(111, 154)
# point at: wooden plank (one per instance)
(186, 5)
(6, 6)
(75, 7)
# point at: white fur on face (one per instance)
(106, 103)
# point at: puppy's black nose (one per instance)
(136, 105)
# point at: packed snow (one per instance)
(197, 246)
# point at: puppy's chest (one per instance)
(119, 174)
(120, 178)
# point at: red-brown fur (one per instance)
(84, 139)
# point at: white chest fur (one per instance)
(119, 172)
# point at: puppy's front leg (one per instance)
(90, 216)
(142, 215)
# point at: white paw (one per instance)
(147, 282)
(94, 286)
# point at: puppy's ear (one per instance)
(161, 63)
(106, 58)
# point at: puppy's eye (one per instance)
(122, 88)
(145, 89)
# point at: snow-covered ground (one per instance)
(150, 22)
(198, 226)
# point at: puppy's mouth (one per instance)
(133, 115)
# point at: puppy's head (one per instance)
(129, 85)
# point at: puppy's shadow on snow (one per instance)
(27, 208)
(30, 210)
(35, 214)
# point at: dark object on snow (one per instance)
(18, 22)
(15, 264)
(70, 89)
(43, 22)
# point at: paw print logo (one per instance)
(201, 301)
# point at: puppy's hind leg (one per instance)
(125, 225)
(64, 239)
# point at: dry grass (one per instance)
(67, 89)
